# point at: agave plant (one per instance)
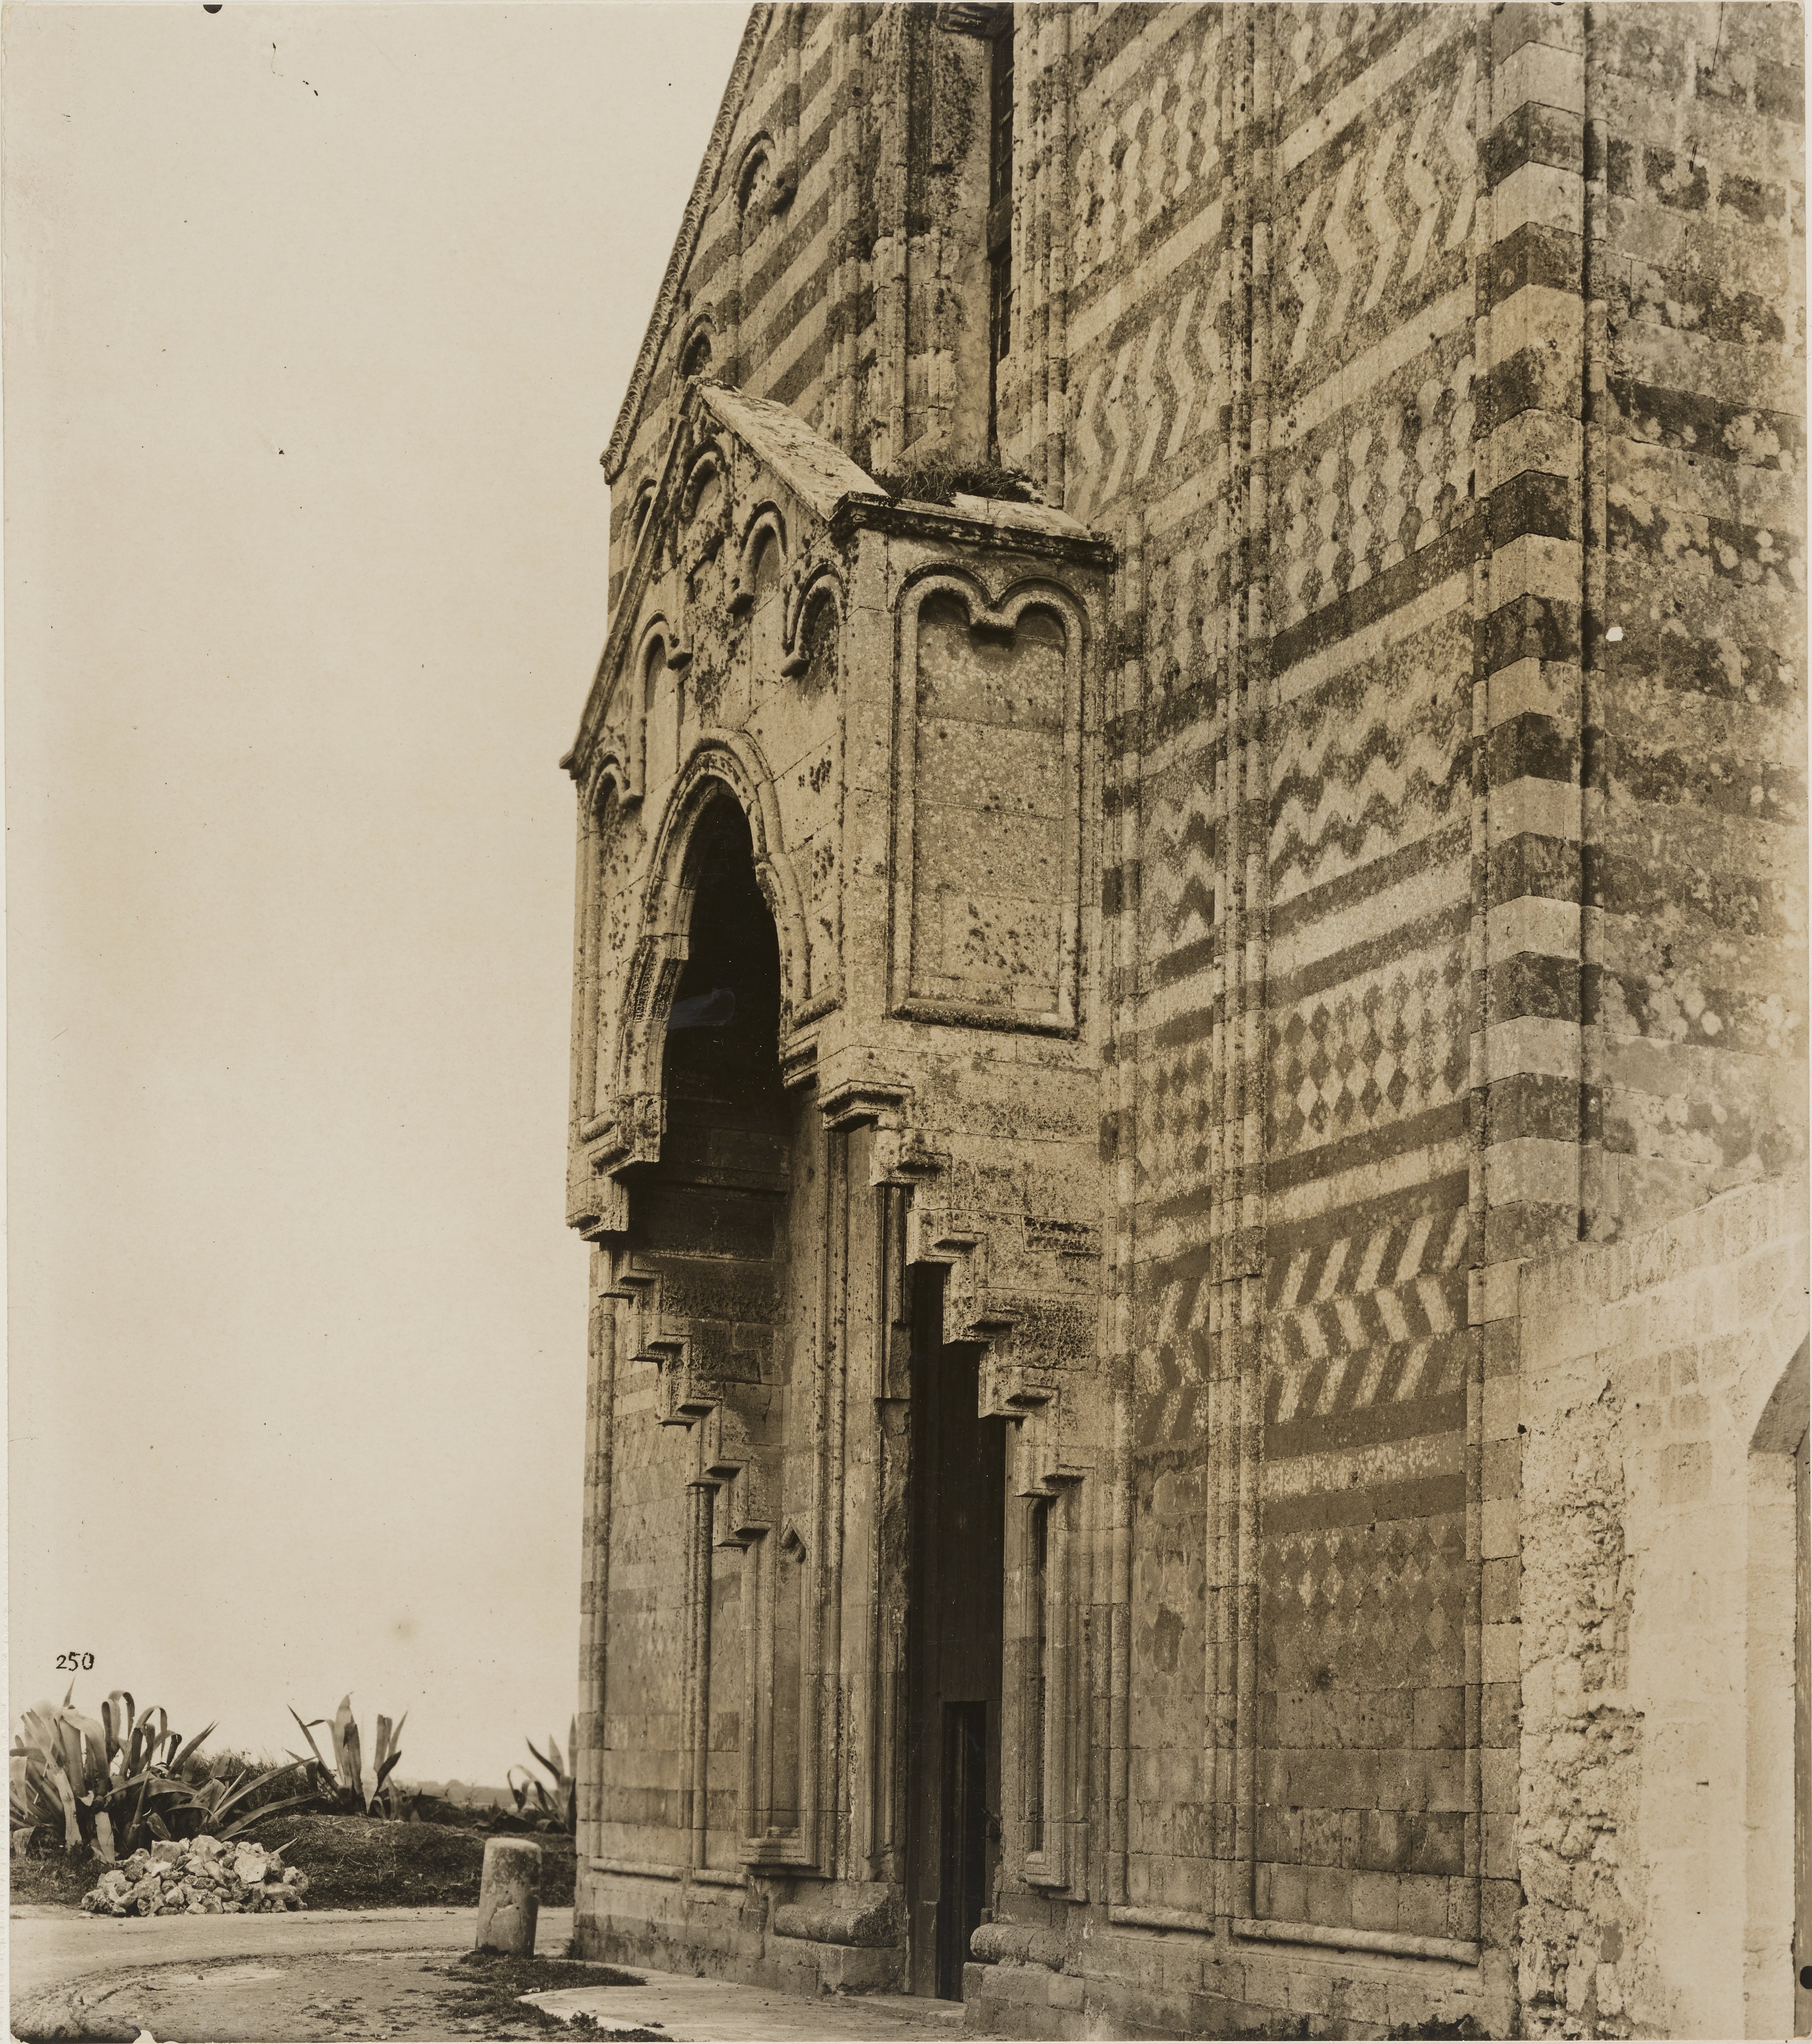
(560, 1807)
(112, 1785)
(342, 1783)
(220, 1808)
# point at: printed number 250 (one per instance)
(72, 1659)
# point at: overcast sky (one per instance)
(316, 319)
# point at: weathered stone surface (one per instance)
(1243, 572)
(510, 1897)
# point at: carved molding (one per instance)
(667, 300)
(629, 1122)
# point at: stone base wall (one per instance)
(1147, 1984)
(1110, 1982)
(1662, 1390)
(638, 1923)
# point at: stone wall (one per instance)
(1270, 351)
(1695, 933)
(1418, 809)
(831, 258)
(1660, 1391)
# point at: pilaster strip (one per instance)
(594, 1561)
(1054, 366)
(1225, 1626)
(847, 46)
(1022, 397)
(1489, 260)
(1233, 1485)
(1595, 520)
(1238, 1243)
(789, 167)
(1530, 1112)
(1119, 1150)
(695, 1756)
(833, 1816)
(891, 246)
(1527, 1120)
(1255, 711)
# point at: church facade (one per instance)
(1189, 1033)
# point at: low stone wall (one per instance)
(1660, 1392)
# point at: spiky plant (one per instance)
(112, 1785)
(342, 1783)
(562, 1803)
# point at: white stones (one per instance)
(192, 1878)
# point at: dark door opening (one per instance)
(1802, 1738)
(962, 1882)
(952, 1645)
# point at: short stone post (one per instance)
(510, 1897)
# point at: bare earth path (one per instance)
(345, 1975)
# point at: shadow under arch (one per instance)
(725, 1109)
(722, 1215)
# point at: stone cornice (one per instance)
(904, 519)
(820, 474)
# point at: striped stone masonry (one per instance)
(1419, 392)
(1526, 1108)
(1528, 1114)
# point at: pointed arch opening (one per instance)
(695, 359)
(730, 1218)
(726, 1110)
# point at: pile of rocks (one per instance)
(197, 1877)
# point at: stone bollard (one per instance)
(510, 1897)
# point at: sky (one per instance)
(316, 319)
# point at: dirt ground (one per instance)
(349, 1977)
(345, 1996)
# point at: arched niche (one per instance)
(697, 352)
(761, 557)
(765, 579)
(817, 628)
(639, 510)
(704, 489)
(989, 770)
(657, 689)
(757, 188)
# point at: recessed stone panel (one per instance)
(987, 795)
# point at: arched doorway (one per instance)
(724, 1219)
